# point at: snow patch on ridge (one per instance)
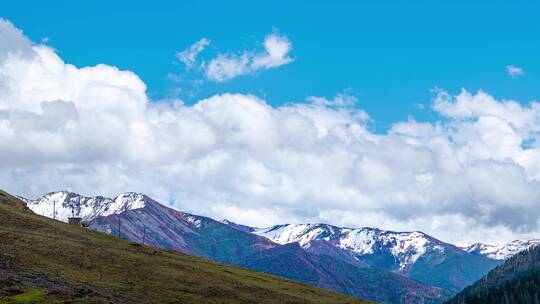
(62, 205)
(285, 234)
(127, 201)
(501, 251)
(194, 220)
(405, 247)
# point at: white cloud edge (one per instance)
(189, 56)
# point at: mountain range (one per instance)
(47, 261)
(413, 254)
(501, 251)
(370, 263)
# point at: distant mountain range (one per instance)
(374, 264)
(517, 281)
(412, 254)
(502, 251)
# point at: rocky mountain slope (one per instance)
(403, 248)
(47, 261)
(413, 254)
(322, 270)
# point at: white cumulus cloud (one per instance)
(230, 65)
(93, 130)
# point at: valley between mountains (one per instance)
(368, 263)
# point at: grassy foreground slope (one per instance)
(46, 261)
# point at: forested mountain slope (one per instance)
(516, 281)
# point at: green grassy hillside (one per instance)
(46, 261)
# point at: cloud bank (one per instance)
(473, 175)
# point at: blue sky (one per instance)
(389, 55)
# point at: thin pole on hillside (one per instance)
(119, 231)
(144, 234)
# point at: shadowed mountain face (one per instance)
(375, 264)
(322, 270)
(157, 225)
(516, 281)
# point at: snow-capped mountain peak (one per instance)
(128, 201)
(301, 233)
(64, 204)
(405, 247)
(501, 251)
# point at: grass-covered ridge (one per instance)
(46, 261)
